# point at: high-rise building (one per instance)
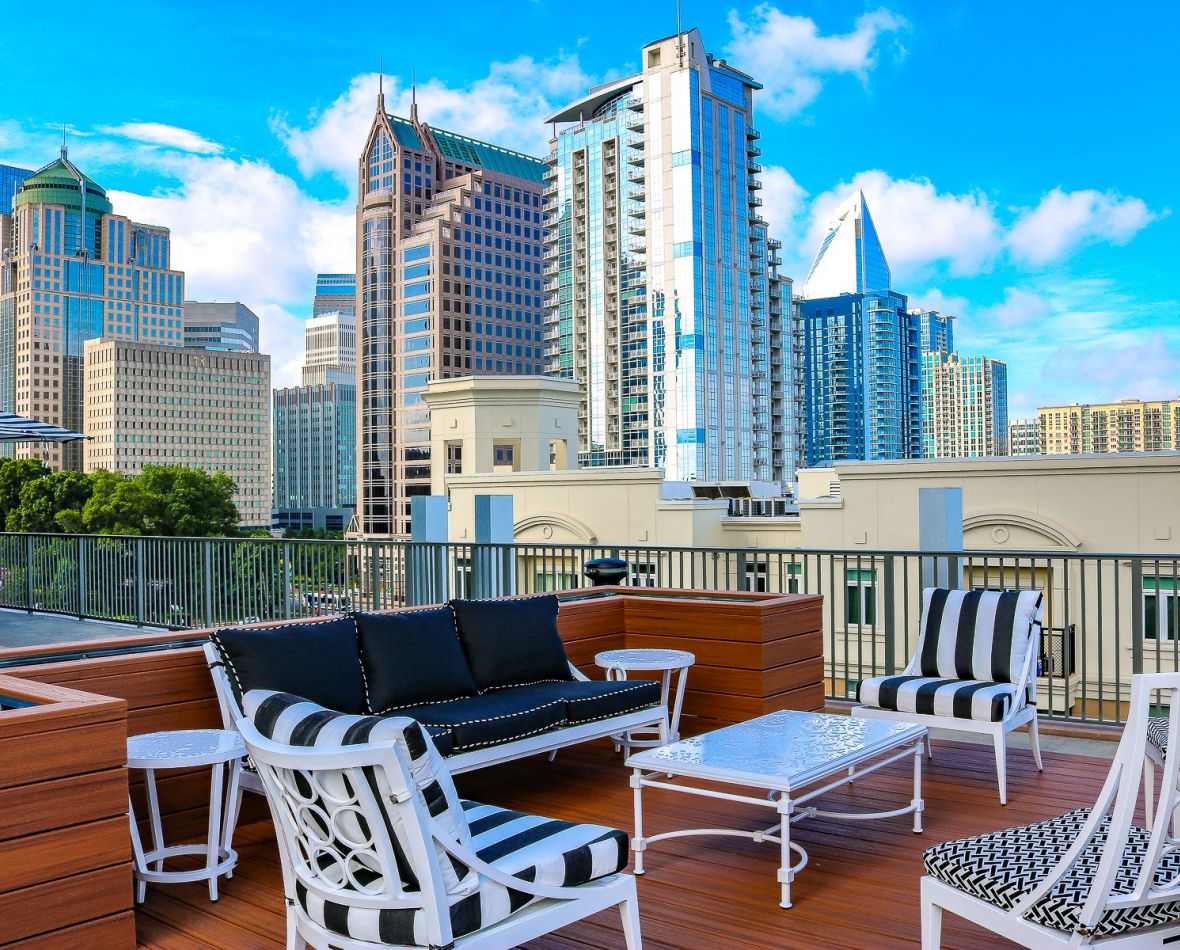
(449, 241)
(862, 369)
(76, 271)
(11, 178)
(230, 326)
(335, 293)
(315, 430)
(151, 404)
(1125, 426)
(1024, 437)
(964, 406)
(659, 295)
(936, 331)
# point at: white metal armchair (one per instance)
(974, 670)
(378, 851)
(1086, 878)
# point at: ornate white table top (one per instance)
(783, 750)
(644, 659)
(183, 748)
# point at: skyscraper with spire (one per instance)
(74, 271)
(449, 238)
(862, 370)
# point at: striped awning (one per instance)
(14, 428)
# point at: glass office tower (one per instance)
(661, 294)
(862, 349)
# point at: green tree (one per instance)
(14, 474)
(163, 500)
(52, 502)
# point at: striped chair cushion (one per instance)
(930, 696)
(1001, 868)
(295, 721)
(976, 634)
(1157, 734)
(539, 850)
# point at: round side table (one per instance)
(618, 663)
(219, 748)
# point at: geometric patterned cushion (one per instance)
(539, 850)
(1157, 734)
(976, 634)
(962, 699)
(1001, 868)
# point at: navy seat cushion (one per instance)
(491, 719)
(317, 659)
(513, 641)
(591, 700)
(412, 657)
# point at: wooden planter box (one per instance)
(65, 874)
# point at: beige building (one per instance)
(1126, 426)
(165, 405)
(964, 406)
(1098, 533)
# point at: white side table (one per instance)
(618, 663)
(219, 748)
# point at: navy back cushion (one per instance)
(511, 642)
(411, 658)
(318, 660)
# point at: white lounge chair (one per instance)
(1087, 878)
(378, 851)
(973, 671)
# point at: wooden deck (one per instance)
(860, 888)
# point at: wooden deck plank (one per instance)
(860, 888)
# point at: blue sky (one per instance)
(1019, 158)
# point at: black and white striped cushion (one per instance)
(1157, 734)
(976, 634)
(538, 850)
(1001, 868)
(961, 699)
(295, 721)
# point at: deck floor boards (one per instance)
(860, 888)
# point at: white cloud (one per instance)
(790, 56)
(169, 136)
(1065, 220)
(783, 201)
(919, 226)
(507, 107)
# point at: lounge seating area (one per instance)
(454, 777)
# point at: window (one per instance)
(1161, 620)
(644, 575)
(756, 578)
(860, 600)
(544, 581)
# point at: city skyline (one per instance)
(1031, 225)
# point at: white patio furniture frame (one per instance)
(556, 906)
(1022, 713)
(184, 749)
(1118, 798)
(618, 663)
(655, 717)
(783, 754)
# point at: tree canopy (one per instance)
(163, 500)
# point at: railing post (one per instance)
(207, 554)
(288, 589)
(139, 583)
(83, 591)
(890, 620)
(1136, 614)
(29, 587)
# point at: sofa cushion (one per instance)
(591, 700)
(491, 719)
(412, 657)
(513, 641)
(977, 634)
(316, 659)
(980, 700)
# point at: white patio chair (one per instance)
(1086, 878)
(378, 851)
(974, 670)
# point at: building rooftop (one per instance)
(471, 151)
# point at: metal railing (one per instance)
(1107, 615)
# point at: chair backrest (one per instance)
(354, 799)
(978, 634)
(1118, 885)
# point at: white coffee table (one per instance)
(786, 754)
